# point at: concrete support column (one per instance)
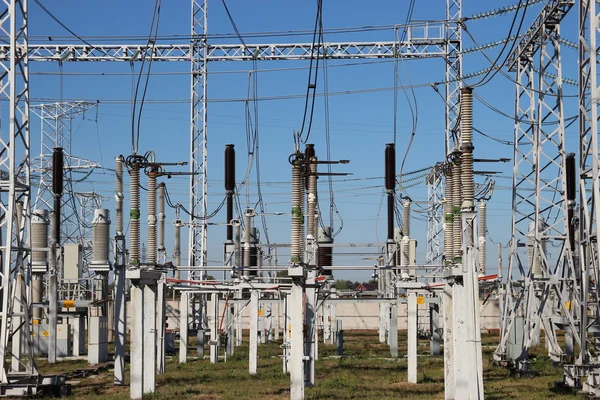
(434, 326)
(214, 328)
(287, 335)
(161, 328)
(277, 320)
(238, 320)
(448, 316)
(120, 311)
(149, 332)
(412, 336)
(311, 327)
(297, 341)
(393, 332)
(183, 326)
(137, 344)
(253, 351)
(229, 313)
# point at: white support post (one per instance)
(297, 341)
(253, 361)
(52, 317)
(149, 340)
(230, 348)
(214, 328)
(120, 310)
(277, 320)
(238, 320)
(393, 331)
(311, 326)
(161, 328)
(411, 300)
(434, 325)
(449, 388)
(183, 326)
(136, 390)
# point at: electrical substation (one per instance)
(122, 259)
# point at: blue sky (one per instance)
(360, 124)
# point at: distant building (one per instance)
(365, 289)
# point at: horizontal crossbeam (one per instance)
(413, 48)
(552, 13)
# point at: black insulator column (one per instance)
(57, 190)
(390, 186)
(571, 172)
(309, 153)
(229, 186)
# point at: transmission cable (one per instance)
(135, 136)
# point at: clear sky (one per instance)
(360, 124)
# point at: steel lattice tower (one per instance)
(535, 282)
(15, 195)
(56, 131)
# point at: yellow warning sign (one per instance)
(45, 333)
(69, 304)
(568, 305)
(420, 300)
(260, 312)
(36, 321)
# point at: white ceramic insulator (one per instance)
(151, 219)
(39, 236)
(482, 237)
(448, 221)
(101, 232)
(406, 222)
(456, 205)
(119, 195)
(297, 243)
(134, 223)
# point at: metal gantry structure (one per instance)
(537, 284)
(424, 40)
(56, 122)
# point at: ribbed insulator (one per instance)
(448, 221)
(405, 259)
(467, 180)
(406, 221)
(101, 232)
(297, 243)
(152, 218)
(119, 194)
(466, 146)
(39, 236)
(456, 203)
(482, 236)
(161, 217)
(466, 116)
(134, 215)
(253, 261)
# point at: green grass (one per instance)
(366, 373)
